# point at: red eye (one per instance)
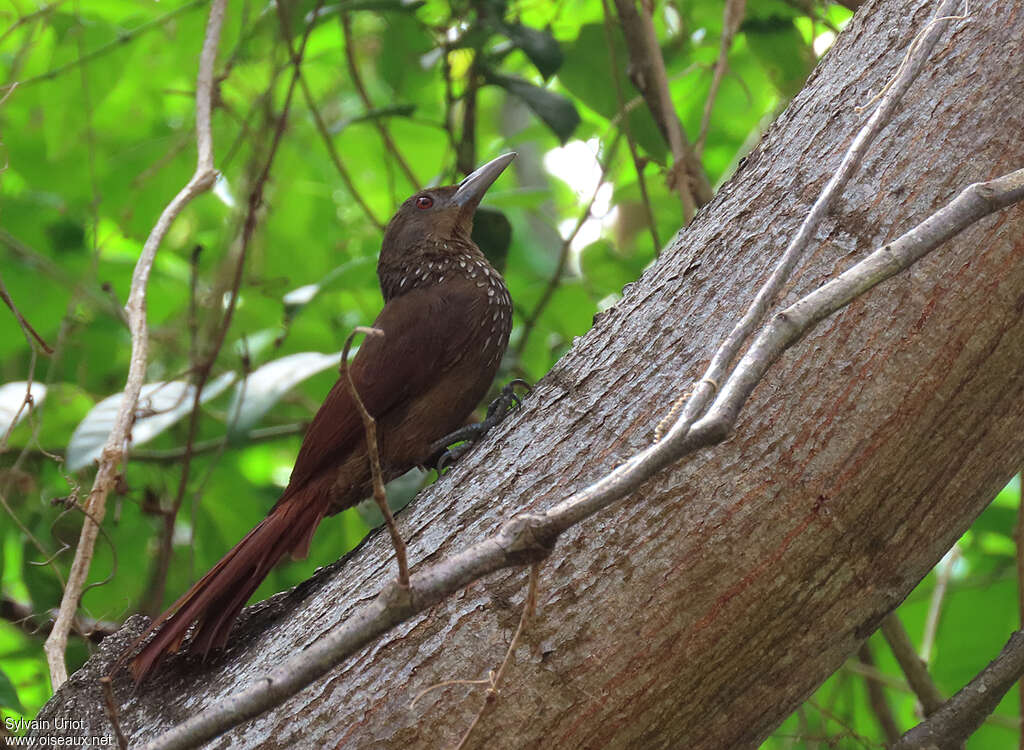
(424, 201)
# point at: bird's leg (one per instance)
(442, 456)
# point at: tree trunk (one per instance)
(702, 610)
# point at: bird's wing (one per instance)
(425, 333)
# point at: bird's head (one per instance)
(437, 215)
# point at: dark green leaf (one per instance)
(540, 46)
(780, 47)
(492, 231)
(8, 695)
(66, 236)
(557, 112)
(44, 589)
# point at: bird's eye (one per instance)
(424, 201)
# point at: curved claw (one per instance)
(450, 456)
(441, 456)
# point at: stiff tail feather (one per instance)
(215, 600)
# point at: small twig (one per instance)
(28, 17)
(931, 623)
(113, 451)
(27, 534)
(262, 435)
(850, 732)
(465, 152)
(332, 151)
(895, 683)
(732, 17)
(647, 70)
(495, 678)
(373, 452)
(46, 267)
(959, 717)
(26, 327)
(623, 114)
(22, 617)
(918, 40)
(357, 81)
(913, 668)
(110, 708)
(877, 699)
(563, 251)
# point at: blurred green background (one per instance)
(98, 135)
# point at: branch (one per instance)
(26, 327)
(647, 71)
(788, 326)
(530, 537)
(28, 17)
(373, 456)
(357, 81)
(876, 697)
(913, 668)
(260, 435)
(720, 363)
(931, 623)
(563, 251)
(114, 449)
(732, 16)
(27, 621)
(961, 715)
(620, 99)
(495, 678)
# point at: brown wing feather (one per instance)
(424, 334)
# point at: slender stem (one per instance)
(373, 455)
(114, 449)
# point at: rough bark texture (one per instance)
(701, 611)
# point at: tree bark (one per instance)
(701, 611)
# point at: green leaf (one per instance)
(781, 50)
(265, 386)
(162, 404)
(8, 695)
(492, 232)
(605, 269)
(402, 66)
(557, 112)
(540, 46)
(63, 119)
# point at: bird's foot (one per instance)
(443, 456)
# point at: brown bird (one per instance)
(446, 321)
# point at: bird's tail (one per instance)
(216, 599)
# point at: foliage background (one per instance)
(98, 134)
